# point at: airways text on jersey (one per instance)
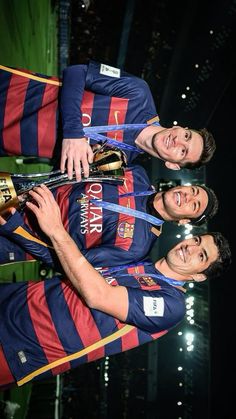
(91, 215)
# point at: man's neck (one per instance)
(162, 266)
(144, 139)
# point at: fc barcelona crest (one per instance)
(126, 230)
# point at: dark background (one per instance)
(162, 41)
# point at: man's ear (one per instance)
(199, 277)
(183, 221)
(172, 166)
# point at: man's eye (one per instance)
(196, 240)
(201, 257)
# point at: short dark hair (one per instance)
(209, 147)
(224, 256)
(211, 208)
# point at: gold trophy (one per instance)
(108, 166)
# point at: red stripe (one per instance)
(83, 321)
(117, 115)
(62, 198)
(14, 109)
(6, 376)
(44, 326)
(47, 116)
(125, 226)
(93, 215)
(29, 257)
(87, 108)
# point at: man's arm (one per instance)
(103, 80)
(75, 148)
(97, 293)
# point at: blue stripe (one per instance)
(101, 109)
(17, 331)
(62, 319)
(143, 337)
(5, 79)
(106, 324)
(113, 347)
(29, 122)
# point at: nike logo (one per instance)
(116, 113)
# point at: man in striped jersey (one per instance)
(52, 326)
(93, 95)
(104, 236)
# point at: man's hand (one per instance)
(76, 152)
(46, 210)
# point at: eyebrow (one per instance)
(190, 137)
(204, 251)
(198, 203)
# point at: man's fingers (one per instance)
(41, 193)
(77, 169)
(90, 155)
(76, 153)
(63, 163)
(70, 166)
(85, 166)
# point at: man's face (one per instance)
(178, 145)
(183, 202)
(193, 255)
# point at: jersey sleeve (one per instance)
(118, 83)
(155, 310)
(16, 230)
(100, 79)
(73, 85)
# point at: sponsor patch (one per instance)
(107, 70)
(153, 306)
(22, 357)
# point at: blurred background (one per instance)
(185, 50)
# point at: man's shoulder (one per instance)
(137, 168)
(140, 175)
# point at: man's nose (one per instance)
(187, 197)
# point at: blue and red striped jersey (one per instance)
(46, 328)
(89, 96)
(104, 237)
